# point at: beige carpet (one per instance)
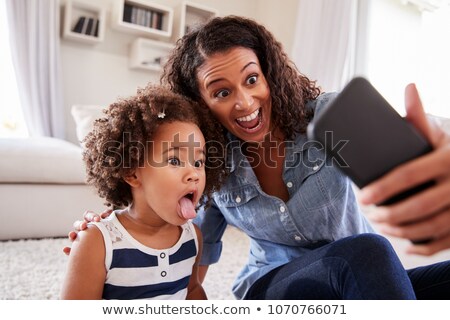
(34, 269)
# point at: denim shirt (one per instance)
(321, 208)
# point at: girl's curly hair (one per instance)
(290, 90)
(117, 144)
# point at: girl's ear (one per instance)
(132, 180)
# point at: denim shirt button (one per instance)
(289, 184)
(282, 209)
(238, 199)
(315, 167)
(297, 238)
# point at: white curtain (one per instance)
(34, 37)
(329, 40)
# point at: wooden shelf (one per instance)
(150, 55)
(190, 14)
(84, 22)
(143, 17)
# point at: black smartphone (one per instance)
(366, 137)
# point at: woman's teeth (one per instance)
(250, 117)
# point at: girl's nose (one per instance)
(191, 174)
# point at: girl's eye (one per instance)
(222, 93)
(252, 79)
(199, 163)
(174, 161)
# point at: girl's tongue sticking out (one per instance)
(187, 208)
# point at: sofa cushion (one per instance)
(84, 116)
(41, 160)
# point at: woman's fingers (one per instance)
(416, 114)
(432, 167)
(431, 248)
(106, 213)
(435, 227)
(72, 235)
(80, 225)
(66, 251)
(416, 208)
(90, 216)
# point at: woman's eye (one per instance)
(222, 93)
(252, 80)
(174, 162)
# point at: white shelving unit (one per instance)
(190, 14)
(150, 55)
(157, 26)
(142, 17)
(76, 17)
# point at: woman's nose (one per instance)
(244, 100)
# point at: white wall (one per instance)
(99, 73)
(279, 16)
(393, 48)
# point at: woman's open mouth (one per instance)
(252, 122)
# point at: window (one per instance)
(407, 42)
(12, 123)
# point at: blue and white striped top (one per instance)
(135, 271)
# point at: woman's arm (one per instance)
(86, 273)
(425, 215)
(195, 289)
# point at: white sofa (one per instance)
(42, 189)
(42, 183)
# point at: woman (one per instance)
(308, 237)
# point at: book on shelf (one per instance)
(127, 12)
(157, 18)
(79, 25)
(89, 27)
(160, 21)
(142, 16)
(97, 23)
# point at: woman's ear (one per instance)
(132, 180)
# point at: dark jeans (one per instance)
(358, 267)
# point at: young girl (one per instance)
(148, 157)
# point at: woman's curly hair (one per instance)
(116, 146)
(290, 90)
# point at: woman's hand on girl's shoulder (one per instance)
(81, 225)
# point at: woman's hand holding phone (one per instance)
(425, 215)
